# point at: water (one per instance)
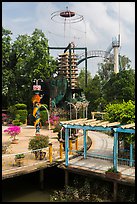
(26, 188)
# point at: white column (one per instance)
(116, 64)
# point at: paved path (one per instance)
(26, 134)
(101, 143)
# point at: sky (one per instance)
(97, 24)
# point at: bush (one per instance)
(22, 115)
(43, 116)
(121, 112)
(57, 128)
(16, 122)
(21, 106)
(18, 112)
(38, 142)
(19, 156)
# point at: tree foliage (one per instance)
(121, 86)
(93, 93)
(81, 79)
(24, 60)
(122, 112)
(108, 87)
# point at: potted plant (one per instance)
(113, 173)
(13, 131)
(36, 144)
(19, 159)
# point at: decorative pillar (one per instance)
(36, 105)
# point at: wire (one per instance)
(119, 16)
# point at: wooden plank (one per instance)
(128, 126)
(113, 124)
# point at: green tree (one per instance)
(93, 93)
(121, 86)
(124, 62)
(28, 59)
(6, 50)
(81, 79)
(105, 70)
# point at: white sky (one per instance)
(102, 22)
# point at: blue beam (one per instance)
(115, 150)
(131, 131)
(85, 144)
(66, 145)
(131, 154)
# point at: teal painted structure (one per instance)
(117, 129)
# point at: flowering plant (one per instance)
(54, 120)
(5, 117)
(13, 131)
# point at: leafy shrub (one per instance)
(16, 122)
(18, 112)
(21, 106)
(38, 142)
(43, 116)
(57, 128)
(112, 169)
(22, 115)
(19, 156)
(73, 193)
(121, 112)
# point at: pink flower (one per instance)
(53, 119)
(13, 130)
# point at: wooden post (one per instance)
(66, 178)
(76, 143)
(70, 146)
(61, 149)
(50, 152)
(41, 179)
(115, 191)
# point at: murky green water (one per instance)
(26, 188)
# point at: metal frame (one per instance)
(115, 130)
